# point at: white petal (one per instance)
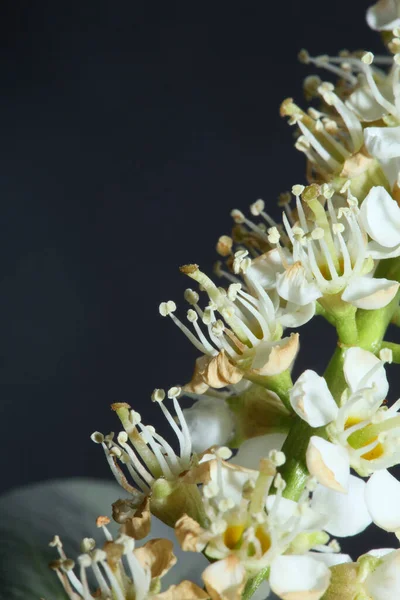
(331, 559)
(347, 513)
(265, 267)
(292, 576)
(230, 478)
(272, 358)
(292, 285)
(210, 422)
(295, 315)
(312, 401)
(328, 463)
(358, 363)
(383, 15)
(383, 142)
(370, 293)
(225, 579)
(285, 509)
(364, 105)
(379, 552)
(376, 251)
(384, 582)
(380, 215)
(252, 450)
(382, 496)
(391, 169)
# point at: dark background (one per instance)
(128, 131)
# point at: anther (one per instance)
(386, 355)
(174, 392)
(97, 437)
(192, 315)
(304, 56)
(167, 308)
(257, 207)
(122, 437)
(338, 228)
(367, 58)
(277, 457)
(237, 216)
(233, 291)
(317, 233)
(158, 395)
(87, 545)
(191, 296)
(224, 245)
(273, 235)
(298, 189)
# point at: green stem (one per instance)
(253, 584)
(294, 471)
(280, 384)
(396, 318)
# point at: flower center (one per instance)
(233, 536)
(263, 538)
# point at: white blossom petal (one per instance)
(225, 579)
(328, 463)
(296, 315)
(331, 559)
(347, 513)
(310, 520)
(382, 495)
(299, 578)
(253, 450)
(380, 215)
(376, 251)
(358, 363)
(384, 582)
(312, 401)
(383, 16)
(364, 105)
(264, 268)
(230, 478)
(370, 293)
(210, 422)
(272, 358)
(292, 285)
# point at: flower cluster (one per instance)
(258, 478)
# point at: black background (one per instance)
(128, 131)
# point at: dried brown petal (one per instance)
(190, 535)
(135, 521)
(186, 590)
(157, 555)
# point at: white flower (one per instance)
(384, 15)
(246, 522)
(158, 472)
(247, 340)
(329, 254)
(363, 432)
(334, 147)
